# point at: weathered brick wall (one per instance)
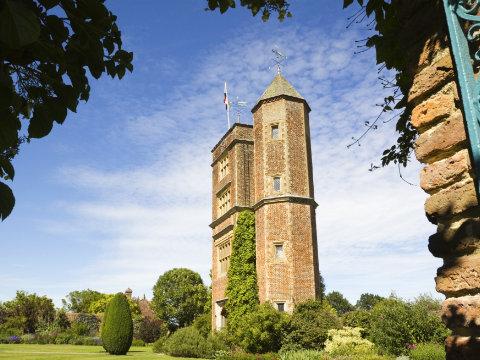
(237, 146)
(279, 218)
(447, 176)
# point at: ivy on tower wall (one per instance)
(242, 291)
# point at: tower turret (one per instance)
(287, 259)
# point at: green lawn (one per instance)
(61, 352)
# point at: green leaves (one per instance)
(19, 26)
(7, 201)
(6, 168)
(242, 292)
(46, 49)
(265, 7)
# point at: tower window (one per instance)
(279, 253)
(223, 168)
(224, 252)
(275, 132)
(281, 306)
(276, 183)
(224, 202)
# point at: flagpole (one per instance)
(227, 106)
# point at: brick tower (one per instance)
(287, 258)
(267, 168)
(232, 192)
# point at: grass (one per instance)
(73, 352)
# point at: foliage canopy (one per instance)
(339, 302)
(265, 7)
(46, 48)
(179, 296)
(28, 311)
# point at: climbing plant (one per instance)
(242, 292)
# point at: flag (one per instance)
(225, 97)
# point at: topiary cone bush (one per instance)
(117, 326)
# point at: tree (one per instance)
(117, 326)
(265, 7)
(338, 302)
(46, 47)
(178, 297)
(242, 292)
(31, 309)
(79, 301)
(100, 305)
(367, 301)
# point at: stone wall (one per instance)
(447, 177)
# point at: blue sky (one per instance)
(121, 192)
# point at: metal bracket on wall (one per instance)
(463, 21)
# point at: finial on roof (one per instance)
(278, 59)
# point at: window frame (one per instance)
(224, 168)
(277, 180)
(224, 202)
(275, 131)
(279, 255)
(282, 305)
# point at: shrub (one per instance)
(86, 325)
(158, 344)
(348, 341)
(225, 355)
(310, 324)
(138, 342)
(117, 327)
(85, 340)
(64, 338)
(360, 319)
(428, 351)
(187, 342)
(203, 324)
(80, 329)
(262, 330)
(395, 324)
(149, 330)
(28, 339)
(61, 320)
(218, 341)
(14, 339)
(303, 355)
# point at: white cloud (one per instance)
(371, 228)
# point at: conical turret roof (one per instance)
(279, 87)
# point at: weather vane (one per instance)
(278, 59)
(239, 106)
